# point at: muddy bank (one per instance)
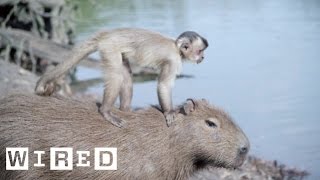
(15, 79)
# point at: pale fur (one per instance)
(144, 48)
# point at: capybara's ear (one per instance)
(206, 102)
(189, 106)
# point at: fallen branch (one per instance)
(41, 48)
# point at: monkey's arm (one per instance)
(165, 83)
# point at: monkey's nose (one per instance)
(199, 61)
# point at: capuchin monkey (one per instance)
(144, 48)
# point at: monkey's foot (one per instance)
(170, 117)
(125, 109)
(113, 119)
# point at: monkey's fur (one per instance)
(147, 148)
(145, 48)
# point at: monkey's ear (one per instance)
(189, 106)
(184, 44)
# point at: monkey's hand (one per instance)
(113, 119)
(170, 117)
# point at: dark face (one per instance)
(195, 52)
(192, 46)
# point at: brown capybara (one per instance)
(202, 136)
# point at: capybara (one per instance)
(202, 136)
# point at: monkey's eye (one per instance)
(200, 51)
(210, 123)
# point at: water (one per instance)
(262, 65)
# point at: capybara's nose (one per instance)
(243, 150)
(244, 146)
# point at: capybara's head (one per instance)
(211, 136)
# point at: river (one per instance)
(262, 65)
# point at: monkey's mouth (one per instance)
(199, 61)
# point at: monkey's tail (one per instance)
(78, 53)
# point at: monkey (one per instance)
(120, 47)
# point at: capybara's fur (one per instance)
(147, 148)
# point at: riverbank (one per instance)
(278, 110)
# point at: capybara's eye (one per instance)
(210, 123)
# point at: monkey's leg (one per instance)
(165, 83)
(114, 79)
(126, 87)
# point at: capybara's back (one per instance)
(146, 147)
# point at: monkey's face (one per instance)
(194, 50)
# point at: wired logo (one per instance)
(61, 158)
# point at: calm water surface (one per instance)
(262, 66)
